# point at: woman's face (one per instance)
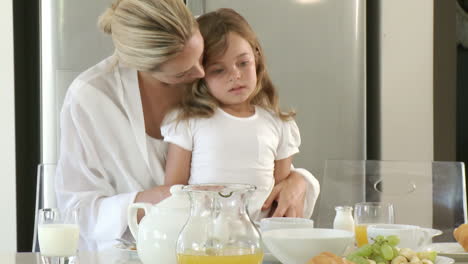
(186, 67)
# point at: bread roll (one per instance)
(328, 258)
(461, 235)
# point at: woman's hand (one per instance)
(289, 195)
(153, 196)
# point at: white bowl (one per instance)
(298, 245)
(285, 223)
(411, 236)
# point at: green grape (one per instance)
(379, 258)
(360, 260)
(357, 259)
(351, 256)
(396, 252)
(393, 240)
(375, 249)
(379, 238)
(430, 255)
(387, 251)
(364, 251)
(381, 262)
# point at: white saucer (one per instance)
(448, 249)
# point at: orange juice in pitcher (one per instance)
(219, 229)
(234, 259)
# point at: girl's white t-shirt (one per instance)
(230, 149)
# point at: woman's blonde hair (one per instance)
(215, 27)
(146, 33)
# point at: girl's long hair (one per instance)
(215, 27)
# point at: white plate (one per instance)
(126, 251)
(268, 257)
(124, 248)
(444, 260)
(451, 250)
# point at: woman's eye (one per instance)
(180, 76)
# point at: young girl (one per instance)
(229, 128)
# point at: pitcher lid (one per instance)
(177, 200)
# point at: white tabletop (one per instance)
(106, 257)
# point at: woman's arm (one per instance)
(295, 196)
(177, 165)
(84, 179)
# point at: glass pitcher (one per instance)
(219, 229)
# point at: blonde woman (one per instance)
(112, 153)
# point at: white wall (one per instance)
(7, 132)
(406, 80)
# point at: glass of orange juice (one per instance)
(368, 213)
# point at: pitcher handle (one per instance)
(132, 216)
(426, 234)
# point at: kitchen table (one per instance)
(105, 257)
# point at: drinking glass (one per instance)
(58, 234)
(371, 213)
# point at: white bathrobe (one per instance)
(106, 157)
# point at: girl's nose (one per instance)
(235, 74)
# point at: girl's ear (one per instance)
(257, 51)
(257, 55)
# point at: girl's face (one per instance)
(231, 78)
(186, 67)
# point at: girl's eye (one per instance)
(244, 63)
(217, 71)
(179, 76)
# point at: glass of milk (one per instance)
(58, 234)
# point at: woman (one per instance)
(112, 153)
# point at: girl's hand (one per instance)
(289, 195)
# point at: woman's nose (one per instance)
(199, 72)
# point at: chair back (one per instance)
(429, 194)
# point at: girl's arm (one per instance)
(282, 169)
(177, 165)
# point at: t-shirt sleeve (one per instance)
(177, 131)
(290, 140)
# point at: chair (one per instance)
(45, 194)
(429, 194)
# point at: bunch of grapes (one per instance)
(382, 251)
